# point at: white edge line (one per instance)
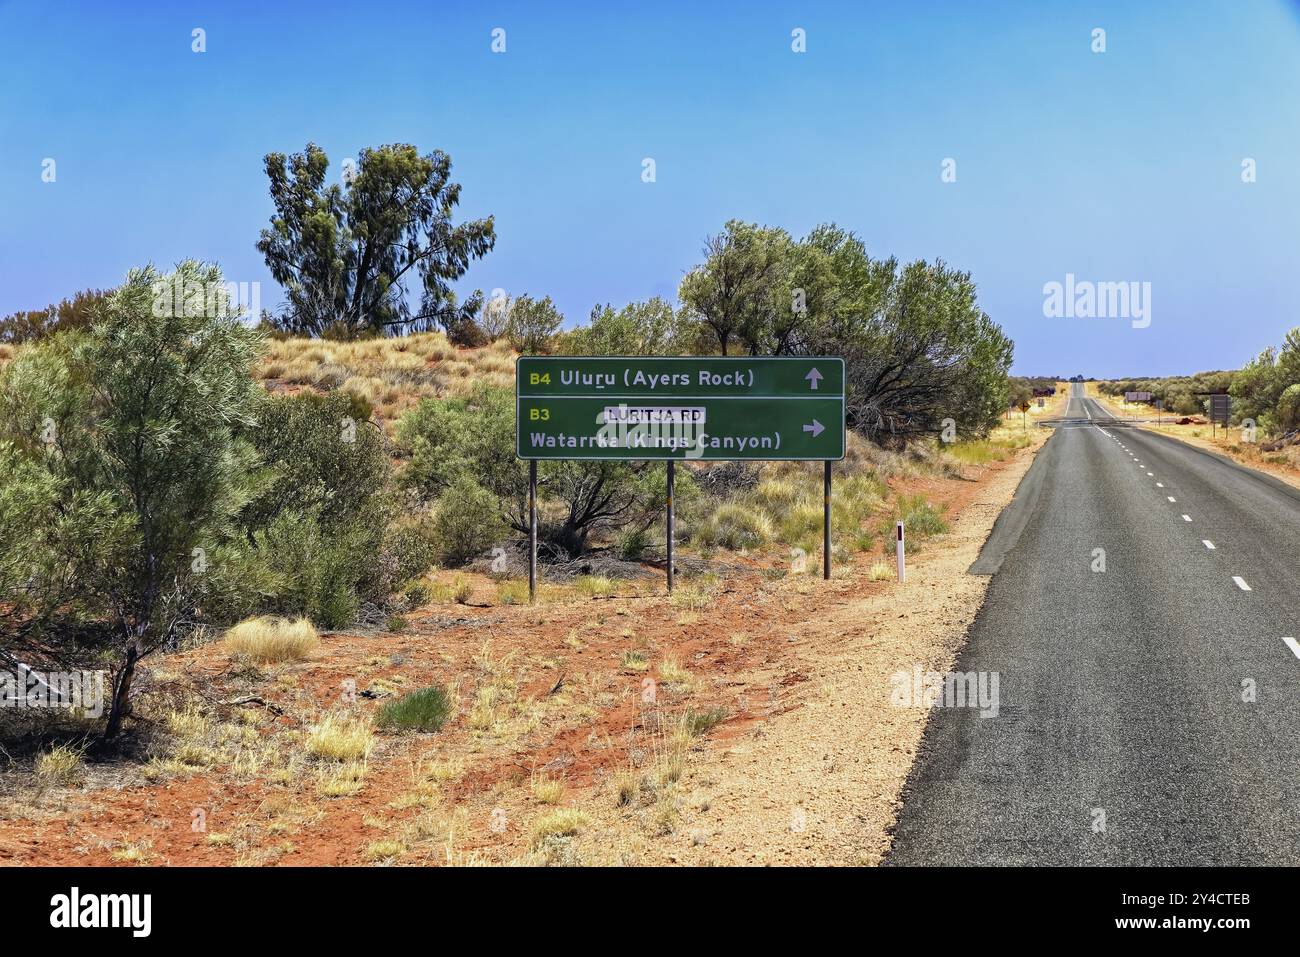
(1241, 582)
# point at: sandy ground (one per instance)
(820, 784)
(805, 766)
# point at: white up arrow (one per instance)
(813, 378)
(816, 428)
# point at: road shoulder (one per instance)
(819, 783)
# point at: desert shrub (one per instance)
(423, 710)
(633, 544)
(137, 424)
(320, 453)
(467, 334)
(533, 323)
(318, 529)
(1287, 416)
(736, 525)
(446, 439)
(321, 573)
(410, 548)
(271, 640)
(467, 522)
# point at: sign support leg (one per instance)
(672, 481)
(826, 523)
(532, 532)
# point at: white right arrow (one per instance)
(813, 378)
(816, 428)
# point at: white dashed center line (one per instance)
(1241, 582)
(1207, 543)
(1293, 645)
(1171, 498)
(1187, 518)
(1160, 485)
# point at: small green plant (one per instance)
(632, 546)
(423, 710)
(880, 571)
(634, 661)
(700, 723)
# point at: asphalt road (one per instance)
(1122, 736)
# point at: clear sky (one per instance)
(1122, 166)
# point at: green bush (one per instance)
(920, 519)
(447, 439)
(319, 527)
(410, 549)
(136, 424)
(423, 710)
(467, 522)
(632, 545)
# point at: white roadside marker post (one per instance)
(902, 566)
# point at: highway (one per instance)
(1149, 713)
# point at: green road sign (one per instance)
(647, 407)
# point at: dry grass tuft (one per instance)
(61, 766)
(340, 738)
(271, 640)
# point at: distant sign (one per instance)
(1220, 409)
(1042, 403)
(1137, 396)
(666, 407)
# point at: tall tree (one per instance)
(741, 288)
(346, 253)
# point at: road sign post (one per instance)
(669, 530)
(709, 408)
(532, 532)
(1220, 412)
(826, 523)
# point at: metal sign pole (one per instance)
(671, 485)
(532, 531)
(826, 523)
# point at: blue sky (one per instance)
(1116, 166)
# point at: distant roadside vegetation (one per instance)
(1265, 391)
